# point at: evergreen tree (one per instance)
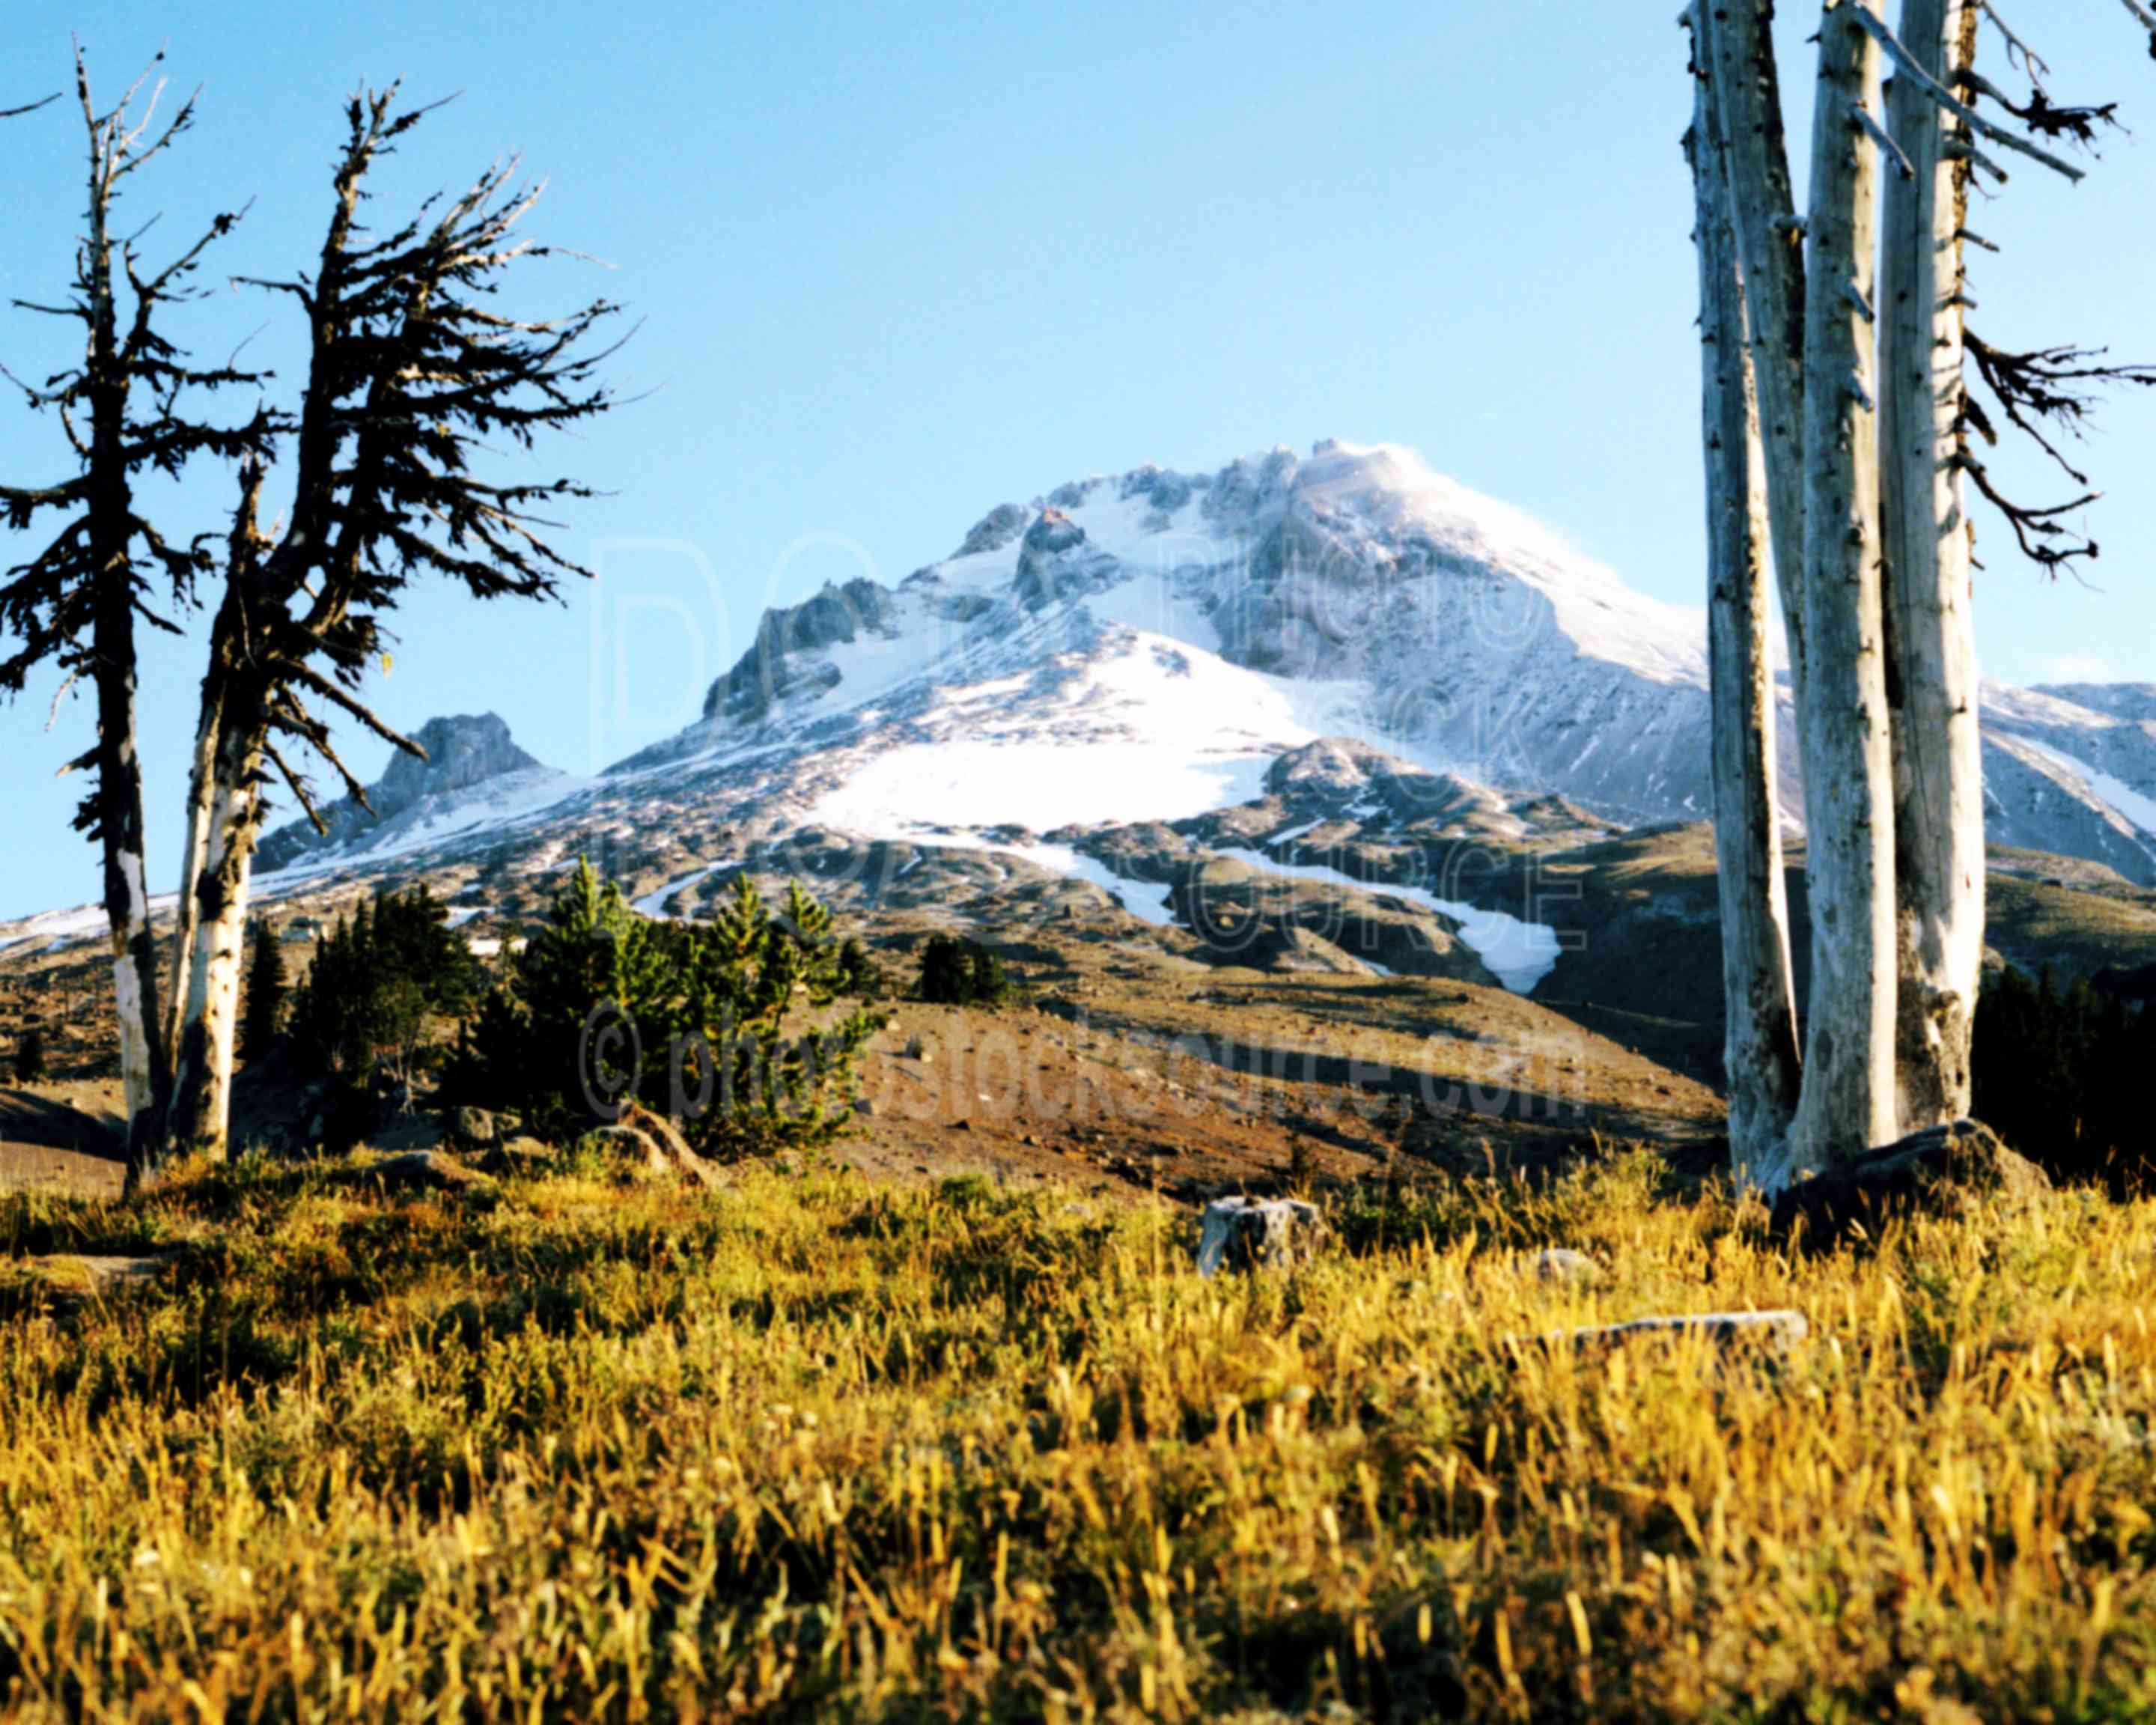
(956, 972)
(30, 1056)
(2058, 1076)
(265, 995)
(360, 1019)
(858, 974)
(730, 1019)
(991, 984)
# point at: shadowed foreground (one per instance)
(566, 1449)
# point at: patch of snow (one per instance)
(2136, 808)
(58, 928)
(654, 904)
(1519, 954)
(1145, 899)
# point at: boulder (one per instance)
(1933, 1172)
(657, 1143)
(1563, 1265)
(472, 1127)
(517, 1154)
(1247, 1233)
(77, 1282)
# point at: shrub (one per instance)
(723, 1025)
(957, 972)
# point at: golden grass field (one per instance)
(810, 1448)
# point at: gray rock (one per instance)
(472, 1127)
(1248, 1234)
(657, 1143)
(1933, 1172)
(1777, 1330)
(517, 1154)
(77, 1283)
(1561, 1264)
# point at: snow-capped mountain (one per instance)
(1144, 649)
(1162, 636)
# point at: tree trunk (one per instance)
(143, 1073)
(114, 811)
(202, 789)
(1759, 1050)
(1849, 1103)
(1736, 49)
(1931, 673)
(202, 1093)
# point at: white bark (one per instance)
(1938, 788)
(128, 918)
(1736, 48)
(1849, 1103)
(202, 1086)
(195, 851)
(1759, 1049)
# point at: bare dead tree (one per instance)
(1882, 644)
(1848, 1100)
(128, 405)
(413, 374)
(1932, 682)
(1761, 1056)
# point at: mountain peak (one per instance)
(473, 773)
(462, 749)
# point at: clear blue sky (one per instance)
(895, 265)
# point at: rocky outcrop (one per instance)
(1941, 1170)
(1057, 563)
(993, 531)
(471, 761)
(782, 662)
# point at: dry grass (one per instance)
(806, 1449)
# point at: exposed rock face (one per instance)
(461, 751)
(1935, 1171)
(1056, 564)
(472, 767)
(778, 665)
(995, 530)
